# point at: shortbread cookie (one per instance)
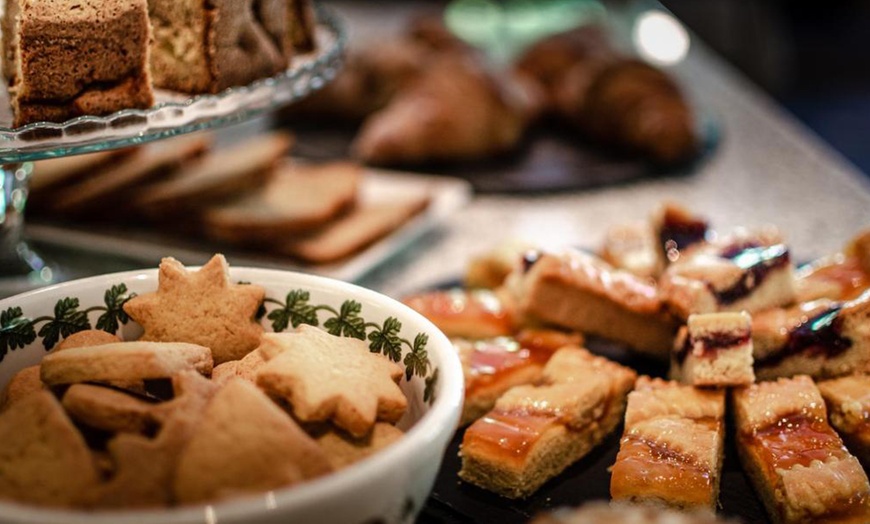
(245, 444)
(822, 339)
(108, 409)
(22, 384)
(534, 433)
(245, 368)
(634, 248)
(222, 174)
(124, 361)
(750, 272)
(143, 467)
(342, 450)
(462, 313)
(493, 366)
(672, 449)
(848, 401)
(583, 293)
(363, 226)
(489, 270)
(603, 513)
(86, 338)
(325, 377)
(297, 199)
(796, 462)
(116, 181)
(200, 307)
(714, 349)
(44, 459)
(53, 173)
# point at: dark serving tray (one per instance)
(551, 158)
(589, 479)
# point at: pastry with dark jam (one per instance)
(714, 349)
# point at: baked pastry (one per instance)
(604, 513)
(493, 366)
(672, 449)
(635, 248)
(342, 450)
(580, 292)
(67, 58)
(535, 432)
(205, 48)
(454, 110)
(461, 313)
(841, 276)
(822, 339)
(848, 402)
(301, 25)
(678, 229)
(796, 462)
(714, 349)
(746, 271)
(490, 269)
(55, 173)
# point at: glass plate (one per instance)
(175, 113)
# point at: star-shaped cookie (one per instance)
(201, 307)
(326, 377)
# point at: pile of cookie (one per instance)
(203, 406)
(248, 195)
(731, 314)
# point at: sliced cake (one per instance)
(714, 349)
(796, 462)
(746, 271)
(822, 339)
(464, 313)
(535, 432)
(67, 58)
(581, 292)
(493, 366)
(848, 401)
(672, 449)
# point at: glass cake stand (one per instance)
(173, 114)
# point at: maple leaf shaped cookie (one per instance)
(200, 307)
(324, 377)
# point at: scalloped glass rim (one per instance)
(177, 114)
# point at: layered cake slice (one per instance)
(205, 47)
(465, 313)
(535, 432)
(672, 449)
(848, 401)
(822, 339)
(67, 58)
(493, 366)
(750, 272)
(581, 292)
(714, 349)
(795, 460)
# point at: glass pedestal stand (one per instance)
(174, 114)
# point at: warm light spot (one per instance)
(660, 38)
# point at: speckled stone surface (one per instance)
(767, 169)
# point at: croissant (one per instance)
(455, 110)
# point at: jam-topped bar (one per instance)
(535, 432)
(750, 272)
(672, 449)
(795, 460)
(848, 401)
(841, 276)
(581, 292)
(822, 339)
(714, 349)
(493, 366)
(465, 313)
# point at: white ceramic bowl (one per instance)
(390, 486)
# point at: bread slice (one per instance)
(534, 433)
(67, 58)
(583, 293)
(207, 47)
(848, 402)
(795, 460)
(672, 449)
(297, 199)
(216, 176)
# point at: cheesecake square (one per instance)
(714, 349)
(672, 449)
(795, 460)
(535, 432)
(68, 58)
(848, 403)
